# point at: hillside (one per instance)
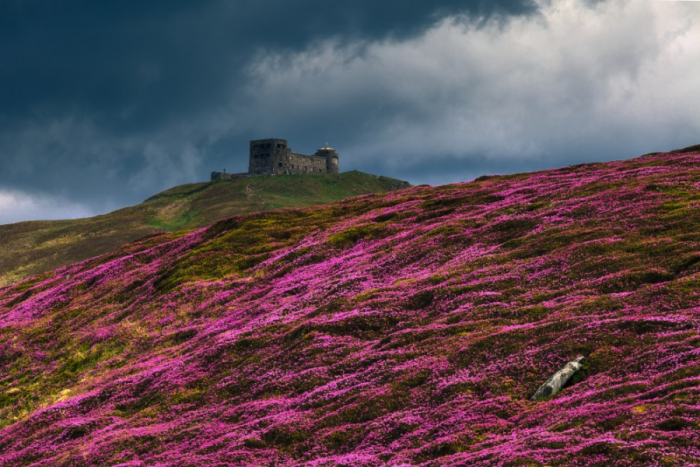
(406, 328)
(29, 248)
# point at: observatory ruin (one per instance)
(274, 157)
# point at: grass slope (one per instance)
(408, 328)
(29, 248)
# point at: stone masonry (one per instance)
(274, 157)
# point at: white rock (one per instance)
(558, 380)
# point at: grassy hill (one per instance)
(406, 328)
(28, 248)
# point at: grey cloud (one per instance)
(136, 65)
(577, 84)
(109, 102)
(91, 88)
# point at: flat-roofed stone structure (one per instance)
(273, 156)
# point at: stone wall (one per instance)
(292, 163)
(227, 176)
(274, 157)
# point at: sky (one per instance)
(103, 104)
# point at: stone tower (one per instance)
(267, 156)
(331, 156)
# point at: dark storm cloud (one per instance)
(134, 65)
(110, 101)
(104, 103)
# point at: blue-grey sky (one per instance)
(103, 104)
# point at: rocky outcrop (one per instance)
(558, 380)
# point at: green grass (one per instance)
(29, 248)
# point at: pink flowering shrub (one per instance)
(398, 329)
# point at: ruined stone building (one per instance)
(274, 157)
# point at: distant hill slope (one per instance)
(29, 248)
(407, 328)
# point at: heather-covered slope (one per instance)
(29, 248)
(399, 329)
